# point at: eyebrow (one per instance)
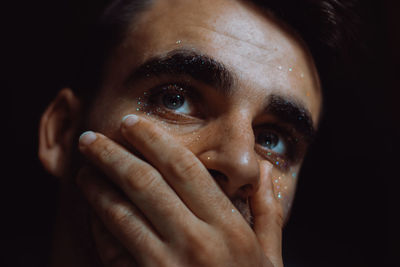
(190, 63)
(215, 74)
(292, 112)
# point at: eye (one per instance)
(173, 97)
(173, 102)
(271, 141)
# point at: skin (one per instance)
(152, 199)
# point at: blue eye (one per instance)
(173, 97)
(173, 101)
(271, 141)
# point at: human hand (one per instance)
(173, 213)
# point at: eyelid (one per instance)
(187, 89)
(152, 106)
(295, 148)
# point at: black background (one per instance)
(346, 199)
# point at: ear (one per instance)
(57, 130)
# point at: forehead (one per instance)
(264, 56)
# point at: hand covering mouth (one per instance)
(240, 202)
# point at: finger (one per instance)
(268, 216)
(142, 184)
(109, 249)
(181, 169)
(123, 220)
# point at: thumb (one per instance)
(268, 216)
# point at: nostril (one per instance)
(218, 176)
(246, 190)
(232, 189)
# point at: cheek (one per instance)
(106, 115)
(284, 185)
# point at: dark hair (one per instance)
(326, 26)
(107, 28)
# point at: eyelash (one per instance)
(149, 103)
(294, 148)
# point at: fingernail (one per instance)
(130, 119)
(87, 138)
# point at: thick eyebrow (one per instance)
(190, 63)
(211, 72)
(292, 112)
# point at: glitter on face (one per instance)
(196, 137)
(278, 162)
(282, 186)
(280, 67)
(290, 69)
(142, 103)
(178, 42)
(294, 175)
(302, 75)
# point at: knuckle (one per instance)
(122, 217)
(243, 241)
(193, 237)
(185, 168)
(199, 247)
(107, 152)
(152, 135)
(118, 214)
(141, 178)
(138, 235)
(200, 253)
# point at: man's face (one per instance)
(225, 80)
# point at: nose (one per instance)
(231, 159)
